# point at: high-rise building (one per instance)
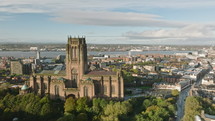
(37, 60)
(78, 80)
(38, 54)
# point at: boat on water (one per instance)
(136, 50)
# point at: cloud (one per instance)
(119, 13)
(88, 13)
(114, 19)
(188, 33)
(108, 4)
(101, 12)
(21, 10)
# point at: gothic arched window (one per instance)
(74, 71)
(56, 90)
(113, 89)
(74, 77)
(72, 52)
(45, 85)
(75, 53)
(105, 89)
(97, 88)
(38, 86)
(85, 91)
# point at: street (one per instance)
(182, 97)
(181, 103)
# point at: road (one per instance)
(182, 97)
(181, 102)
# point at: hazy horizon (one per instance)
(40, 43)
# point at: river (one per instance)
(51, 54)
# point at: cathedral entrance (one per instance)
(70, 95)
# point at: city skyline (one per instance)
(109, 22)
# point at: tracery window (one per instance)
(85, 91)
(56, 89)
(113, 89)
(74, 78)
(105, 89)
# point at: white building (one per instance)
(33, 48)
(208, 79)
(178, 86)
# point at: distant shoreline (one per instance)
(52, 54)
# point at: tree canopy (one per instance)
(30, 107)
(192, 108)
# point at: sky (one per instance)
(170, 22)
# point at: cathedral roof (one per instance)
(52, 73)
(102, 72)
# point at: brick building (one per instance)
(17, 67)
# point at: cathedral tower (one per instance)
(76, 61)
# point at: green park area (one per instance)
(31, 107)
(195, 105)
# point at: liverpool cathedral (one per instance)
(78, 80)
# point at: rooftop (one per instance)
(101, 73)
(52, 73)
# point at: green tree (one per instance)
(45, 99)
(127, 76)
(70, 105)
(115, 111)
(82, 117)
(28, 107)
(140, 117)
(175, 93)
(171, 100)
(69, 117)
(96, 105)
(103, 103)
(208, 106)
(82, 104)
(192, 108)
(162, 103)
(171, 109)
(34, 108)
(156, 113)
(46, 111)
(146, 103)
